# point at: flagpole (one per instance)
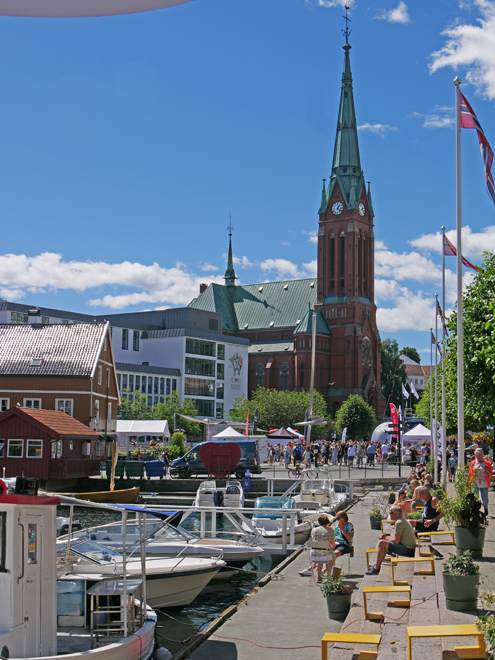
(312, 381)
(431, 390)
(435, 463)
(444, 400)
(460, 335)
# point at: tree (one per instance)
(177, 446)
(479, 349)
(136, 407)
(357, 416)
(411, 353)
(393, 372)
(278, 408)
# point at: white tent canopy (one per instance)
(227, 433)
(78, 8)
(135, 428)
(419, 435)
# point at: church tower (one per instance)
(345, 295)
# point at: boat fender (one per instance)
(161, 654)
(92, 537)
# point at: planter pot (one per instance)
(375, 523)
(338, 605)
(464, 540)
(461, 593)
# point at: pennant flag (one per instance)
(439, 309)
(470, 120)
(450, 250)
(246, 432)
(433, 340)
(413, 389)
(344, 435)
(405, 393)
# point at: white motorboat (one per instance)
(212, 495)
(41, 617)
(170, 582)
(165, 540)
(271, 524)
(315, 493)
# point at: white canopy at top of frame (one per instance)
(80, 8)
(137, 427)
(228, 433)
(419, 432)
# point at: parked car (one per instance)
(190, 464)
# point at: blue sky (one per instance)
(128, 141)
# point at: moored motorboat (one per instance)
(315, 493)
(210, 494)
(271, 524)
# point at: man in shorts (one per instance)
(402, 544)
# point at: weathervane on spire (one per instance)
(230, 228)
(346, 32)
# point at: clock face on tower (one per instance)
(337, 208)
(361, 209)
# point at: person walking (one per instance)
(481, 470)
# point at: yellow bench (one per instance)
(351, 638)
(386, 522)
(420, 535)
(464, 630)
(402, 560)
(373, 551)
(370, 616)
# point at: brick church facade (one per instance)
(277, 317)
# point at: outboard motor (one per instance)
(218, 498)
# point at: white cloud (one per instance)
(377, 129)
(411, 311)
(405, 266)
(330, 3)
(474, 243)
(473, 47)
(398, 15)
(282, 267)
(435, 120)
(242, 262)
(206, 268)
(285, 244)
(313, 236)
(311, 269)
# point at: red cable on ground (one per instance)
(260, 646)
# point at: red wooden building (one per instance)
(46, 444)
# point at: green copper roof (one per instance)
(306, 325)
(272, 347)
(346, 165)
(268, 305)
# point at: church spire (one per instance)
(230, 276)
(346, 165)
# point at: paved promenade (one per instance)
(288, 617)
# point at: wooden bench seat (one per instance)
(351, 638)
(462, 630)
(407, 560)
(371, 616)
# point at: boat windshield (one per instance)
(316, 484)
(207, 485)
(151, 528)
(95, 553)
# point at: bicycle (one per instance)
(294, 472)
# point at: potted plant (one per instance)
(415, 515)
(486, 623)
(375, 517)
(338, 595)
(467, 514)
(461, 579)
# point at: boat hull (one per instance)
(126, 496)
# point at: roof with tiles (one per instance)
(306, 325)
(267, 305)
(56, 422)
(272, 347)
(50, 350)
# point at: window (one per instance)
(2, 447)
(342, 261)
(198, 347)
(65, 405)
(143, 385)
(199, 387)
(108, 378)
(138, 383)
(204, 408)
(119, 381)
(220, 371)
(260, 375)
(219, 390)
(199, 367)
(109, 411)
(34, 449)
(131, 381)
(56, 449)
(301, 376)
(32, 403)
(32, 543)
(97, 412)
(124, 381)
(213, 325)
(135, 340)
(221, 351)
(162, 387)
(125, 339)
(4, 404)
(14, 448)
(18, 317)
(168, 386)
(219, 409)
(284, 376)
(45, 320)
(174, 384)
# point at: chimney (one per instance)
(202, 287)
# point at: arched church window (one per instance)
(284, 376)
(342, 260)
(260, 375)
(301, 376)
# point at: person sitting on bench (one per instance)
(431, 515)
(403, 544)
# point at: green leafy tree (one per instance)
(174, 404)
(411, 353)
(177, 445)
(393, 372)
(278, 408)
(135, 407)
(357, 416)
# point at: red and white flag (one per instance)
(439, 309)
(450, 250)
(470, 120)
